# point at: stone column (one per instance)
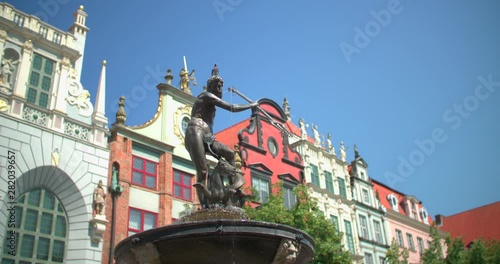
(61, 91)
(3, 37)
(24, 70)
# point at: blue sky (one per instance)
(414, 83)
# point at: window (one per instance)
(394, 202)
(41, 229)
(335, 221)
(19, 20)
(366, 197)
(381, 260)
(399, 238)
(182, 185)
(43, 31)
(413, 211)
(40, 81)
(342, 189)
(411, 245)
(272, 146)
(184, 124)
(329, 181)
(56, 38)
(362, 175)
(140, 220)
(262, 187)
(288, 196)
(315, 175)
(368, 258)
(420, 245)
(424, 215)
(364, 227)
(350, 240)
(144, 172)
(378, 232)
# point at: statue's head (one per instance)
(214, 85)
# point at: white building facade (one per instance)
(53, 143)
(328, 180)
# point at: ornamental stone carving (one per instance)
(80, 97)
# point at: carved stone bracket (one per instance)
(98, 226)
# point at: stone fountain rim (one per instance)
(211, 227)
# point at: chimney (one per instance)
(439, 220)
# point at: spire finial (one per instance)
(99, 106)
(121, 116)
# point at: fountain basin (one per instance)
(217, 241)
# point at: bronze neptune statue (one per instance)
(200, 141)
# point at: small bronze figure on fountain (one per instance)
(200, 141)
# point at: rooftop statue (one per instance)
(200, 141)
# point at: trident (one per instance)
(277, 125)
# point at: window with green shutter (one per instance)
(335, 221)
(329, 181)
(342, 189)
(315, 175)
(349, 236)
(40, 81)
(41, 230)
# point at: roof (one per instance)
(384, 191)
(229, 136)
(480, 222)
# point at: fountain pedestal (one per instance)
(217, 241)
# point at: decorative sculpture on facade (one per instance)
(169, 77)
(303, 128)
(200, 141)
(186, 77)
(56, 155)
(330, 148)
(80, 97)
(342, 151)
(98, 222)
(6, 70)
(99, 199)
(121, 115)
(317, 139)
(286, 108)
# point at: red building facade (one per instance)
(151, 176)
(480, 222)
(265, 151)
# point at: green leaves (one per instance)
(306, 216)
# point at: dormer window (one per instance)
(393, 200)
(424, 215)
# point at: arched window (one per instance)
(424, 215)
(394, 201)
(41, 230)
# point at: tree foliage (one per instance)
(395, 255)
(306, 216)
(434, 254)
(479, 252)
(456, 251)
